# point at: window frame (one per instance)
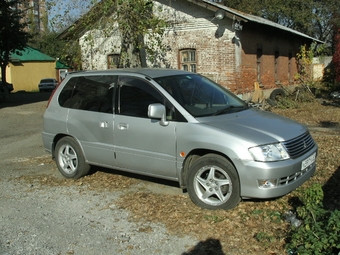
(190, 62)
(113, 60)
(172, 114)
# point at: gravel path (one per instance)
(40, 219)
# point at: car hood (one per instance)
(255, 125)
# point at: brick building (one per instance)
(233, 48)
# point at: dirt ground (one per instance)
(253, 227)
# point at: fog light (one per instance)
(266, 184)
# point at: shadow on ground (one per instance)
(208, 247)
(332, 192)
(22, 98)
(136, 176)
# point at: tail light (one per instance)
(53, 91)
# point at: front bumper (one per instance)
(288, 174)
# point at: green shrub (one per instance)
(319, 232)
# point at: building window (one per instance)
(188, 60)
(112, 61)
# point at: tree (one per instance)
(132, 20)
(12, 34)
(312, 17)
(47, 43)
(64, 13)
(136, 20)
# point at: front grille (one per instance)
(299, 145)
(293, 177)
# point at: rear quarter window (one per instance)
(90, 93)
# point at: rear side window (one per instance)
(89, 93)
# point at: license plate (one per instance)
(308, 161)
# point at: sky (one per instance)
(63, 13)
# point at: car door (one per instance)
(141, 143)
(90, 116)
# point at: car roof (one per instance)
(48, 79)
(150, 72)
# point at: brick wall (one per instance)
(231, 57)
(275, 64)
(223, 54)
(215, 58)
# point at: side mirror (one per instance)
(157, 111)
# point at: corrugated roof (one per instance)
(30, 54)
(213, 6)
(61, 65)
(248, 17)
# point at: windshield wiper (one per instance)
(227, 109)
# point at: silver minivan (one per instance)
(178, 126)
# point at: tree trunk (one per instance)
(142, 52)
(3, 72)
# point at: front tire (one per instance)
(213, 183)
(70, 159)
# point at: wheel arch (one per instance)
(57, 139)
(192, 157)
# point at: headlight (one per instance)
(269, 152)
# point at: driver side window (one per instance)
(135, 96)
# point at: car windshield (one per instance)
(201, 96)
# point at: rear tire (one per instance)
(213, 183)
(70, 159)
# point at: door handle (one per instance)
(123, 126)
(103, 124)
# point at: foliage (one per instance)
(312, 17)
(65, 13)
(302, 93)
(132, 20)
(12, 34)
(71, 55)
(287, 103)
(136, 20)
(304, 63)
(48, 44)
(320, 230)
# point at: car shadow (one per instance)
(23, 97)
(210, 246)
(155, 180)
(331, 192)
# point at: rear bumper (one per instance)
(47, 87)
(48, 141)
